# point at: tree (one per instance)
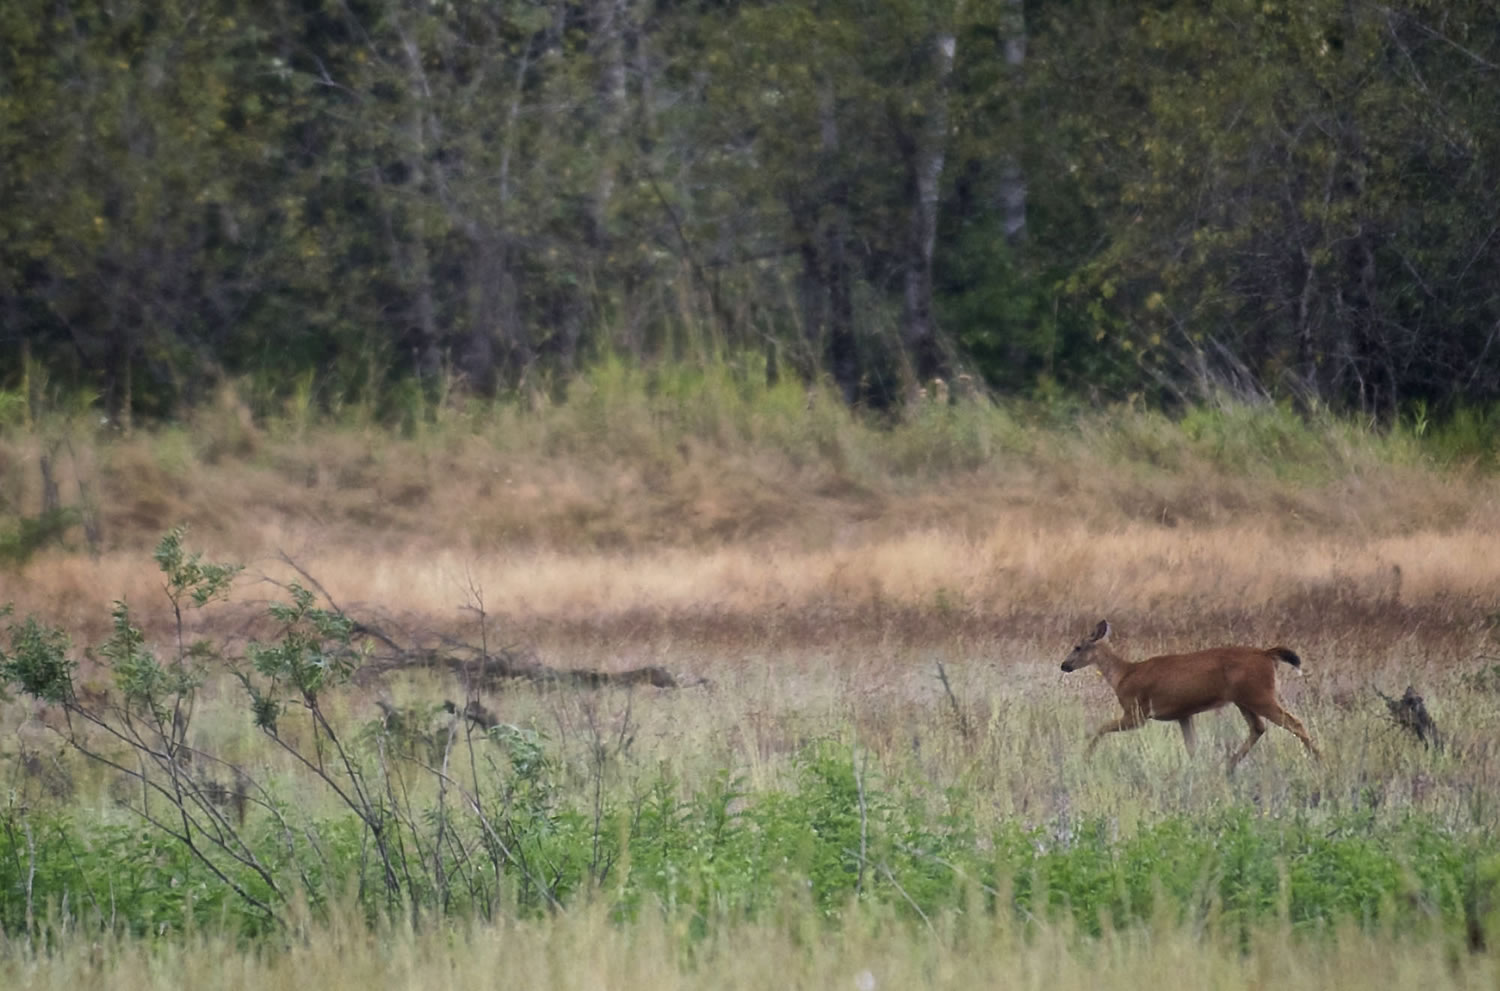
(128, 250)
(1296, 196)
(364, 195)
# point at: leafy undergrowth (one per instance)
(722, 857)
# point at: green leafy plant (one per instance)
(37, 662)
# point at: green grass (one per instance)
(722, 856)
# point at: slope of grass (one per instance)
(708, 502)
(816, 567)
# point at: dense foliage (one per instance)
(338, 201)
(722, 856)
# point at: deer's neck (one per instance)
(1113, 667)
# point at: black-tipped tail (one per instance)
(1286, 654)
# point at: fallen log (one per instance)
(479, 668)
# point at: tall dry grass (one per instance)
(583, 950)
(1197, 583)
(1021, 759)
(710, 508)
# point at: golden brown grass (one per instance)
(619, 515)
(1198, 584)
(709, 531)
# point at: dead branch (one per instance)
(1410, 713)
(477, 666)
(492, 671)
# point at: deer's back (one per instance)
(1173, 686)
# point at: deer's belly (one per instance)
(1170, 712)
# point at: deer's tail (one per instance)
(1286, 654)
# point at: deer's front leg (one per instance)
(1133, 718)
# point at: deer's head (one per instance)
(1083, 654)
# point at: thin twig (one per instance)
(30, 880)
(484, 822)
(880, 866)
(859, 786)
(987, 888)
(958, 713)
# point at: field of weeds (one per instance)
(871, 771)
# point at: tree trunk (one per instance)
(928, 154)
(1012, 179)
(505, 319)
(428, 351)
(611, 26)
(824, 286)
(843, 351)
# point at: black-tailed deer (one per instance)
(1176, 687)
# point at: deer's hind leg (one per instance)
(1276, 714)
(1189, 738)
(1257, 730)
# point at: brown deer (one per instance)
(1179, 686)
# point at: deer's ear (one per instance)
(1101, 632)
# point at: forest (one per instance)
(347, 200)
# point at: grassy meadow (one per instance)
(814, 807)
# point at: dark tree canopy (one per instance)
(1293, 198)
